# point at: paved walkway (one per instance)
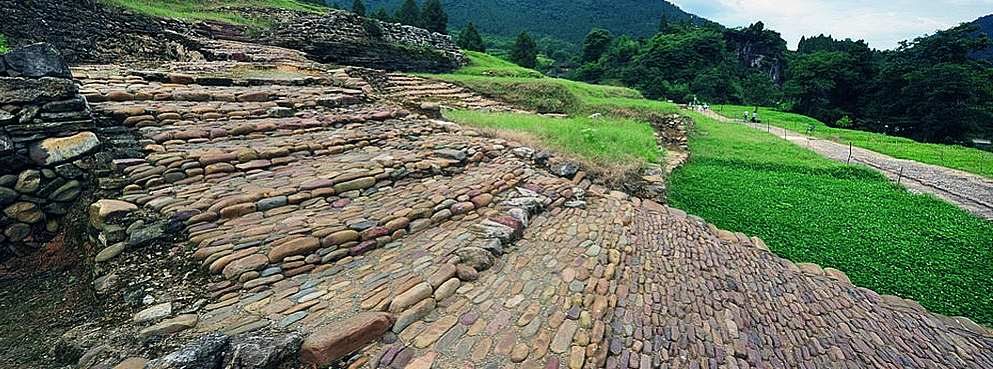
(971, 192)
(309, 205)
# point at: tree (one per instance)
(409, 14)
(758, 88)
(336, 5)
(525, 51)
(358, 7)
(595, 45)
(382, 15)
(433, 17)
(469, 39)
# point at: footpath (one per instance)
(971, 192)
(332, 219)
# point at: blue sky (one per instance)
(881, 23)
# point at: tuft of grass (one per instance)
(207, 10)
(812, 209)
(3, 44)
(966, 159)
(611, 147)
(505, 81)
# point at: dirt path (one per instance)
(971, 192)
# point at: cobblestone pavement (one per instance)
(308, 205)
(971, 192)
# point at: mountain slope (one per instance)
(986, 26)
(567, 20)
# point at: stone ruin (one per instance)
(48, 142)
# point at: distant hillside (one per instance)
(986, 26)
(567, 20)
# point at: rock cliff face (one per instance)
(85, 31)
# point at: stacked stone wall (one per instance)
(48, 142)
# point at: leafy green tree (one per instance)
(358, 7)
(382, 15)
(666, 27)
(718, 85)
(336, 5)
(759, 88)
(596, 43)
(409, 14)
(470, 39)
(434, 18)
(820, 84)
(3, 44)
(525, 51)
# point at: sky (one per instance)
(881, 23)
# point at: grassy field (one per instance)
(605, 141)
(956, 157)
(527, 88)
(206, 10)
(811, 209)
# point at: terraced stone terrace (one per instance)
(313, 209)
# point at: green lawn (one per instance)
(608, 141)
(527, 88)
(811, 209)
(956, 157)
(206, 10)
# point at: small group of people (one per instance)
(755, 116)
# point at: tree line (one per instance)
(931, 89)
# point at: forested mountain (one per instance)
(566, 20)
(986, 26)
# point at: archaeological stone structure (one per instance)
(243, 203)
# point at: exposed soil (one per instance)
(41, 296)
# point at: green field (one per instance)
(206, 10)
(956, 157)
(605, 141)
(505, 81)
(811, 209)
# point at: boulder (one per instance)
(54, 151)
(102, 209)
(261, 352)
(37, 60)
(203, 353)
(567, 169)
(334, 341)
(475, 257)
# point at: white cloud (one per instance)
(883, 24)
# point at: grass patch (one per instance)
(206, 10)
(505, 81)
(608, 146)
(951, 156)
(811, 209)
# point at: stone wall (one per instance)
(47, 147)
(88, 31)
(345, 38)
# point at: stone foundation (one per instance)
(47, 146)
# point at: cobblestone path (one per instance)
(309, 205)
(971, 192)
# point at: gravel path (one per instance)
(969, 191)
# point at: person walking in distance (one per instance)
(744, 116)
(755, 116)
